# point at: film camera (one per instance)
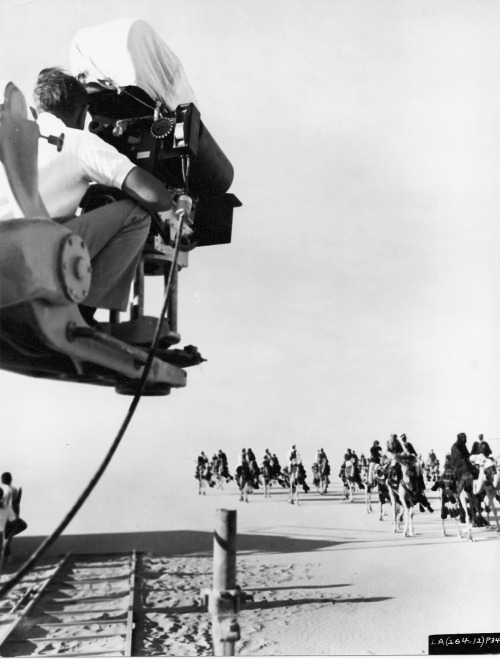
(176, 147)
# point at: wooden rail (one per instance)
(72, 613)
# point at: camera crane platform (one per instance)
(46, 270)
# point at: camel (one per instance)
(484, 486)
(267, 476)
(432, 469)
(220, 472)
(204, 477)
(270, 474)
(295, 476)
(348, 477)
(406, 488)
(217, 467)
(394, 476)
(379, 481)
(244, 479)
(450, 503)
(469, 502)
(321, 472)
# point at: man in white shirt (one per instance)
(115, 233)
(292, 457)
(13, 524)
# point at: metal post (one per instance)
(224, 599)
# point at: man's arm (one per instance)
(148, 190)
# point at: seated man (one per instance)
(394, 447)
(115, 233)
(375, 453)
(460, 457)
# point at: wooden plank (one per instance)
(109, 653)
(59, 639)
(116, 621)
(131, 604)
(124, 620)
(61, 612)
(5, 633)
(70, 579)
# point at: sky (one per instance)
(358, 297)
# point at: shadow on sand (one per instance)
(301, 587)
(312, 600)
(166, 543)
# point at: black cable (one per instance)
(26, 567)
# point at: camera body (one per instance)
(176, 147)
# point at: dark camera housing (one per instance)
(159, 141)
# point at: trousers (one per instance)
(114, 235)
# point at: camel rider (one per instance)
(484, 447)
(254, 467)
(480, 456)
(347, 467)
(202, 459)
(201, 463)
(275, 465)
(409, 449)
(357, 476)
(223, 460)
(407, 446)
(292, 457)
(460, 457)
(375, 453)
(321, 455)
(394, 448)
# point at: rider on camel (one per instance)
(222, 457)
(202, 459)
(292, 457)
(357, 476)
(460, 457)
(275, 466)
(396, 449)
(254, 467)
(481, 447)
(480, 456)
(375, 453)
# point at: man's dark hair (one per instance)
(59, 93)
(6, 478)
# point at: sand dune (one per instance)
(325, 577)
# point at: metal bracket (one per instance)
(74, 268)
(223, 602)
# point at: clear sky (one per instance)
(359, 295)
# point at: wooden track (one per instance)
(82, 606)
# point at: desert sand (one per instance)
(326, 577)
